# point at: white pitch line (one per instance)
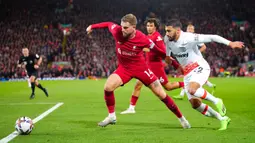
(38, 103)
(15, 133)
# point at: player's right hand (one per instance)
(236, 44)
(89, 29)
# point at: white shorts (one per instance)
(199, 75)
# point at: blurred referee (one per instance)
(28, 61)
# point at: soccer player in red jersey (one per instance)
(154, 60)
(129, 48)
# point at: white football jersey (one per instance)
(197, 50)
(185, 49)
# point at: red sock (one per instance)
(175, 64)
(109, 100)
(181, 84)
(172, 106)
(133, 100)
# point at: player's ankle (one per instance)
(131, 107)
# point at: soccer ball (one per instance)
(24, 125)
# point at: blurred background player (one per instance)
(183, 45)
(154, 60)
(201, 48)
(27, 61)
(129, 48)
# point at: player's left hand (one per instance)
(146, 49)
(236, 44)
(36, 66)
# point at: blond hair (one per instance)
(129, 18)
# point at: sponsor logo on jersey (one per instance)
(184, 55)
(126, 53)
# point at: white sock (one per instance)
(29, 83)
(203, 108)
(132, 107)
(182, 92)
(209, 112)
(215, 114)
(182, 119)
(208, 83)
(112, 115)
(202, 93)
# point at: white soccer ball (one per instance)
(24, 125)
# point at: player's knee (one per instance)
(108, 87)
(195, 102)
(192, 91)
(138, 86)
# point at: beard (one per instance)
(172, 38)
(126, 35)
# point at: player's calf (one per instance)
(195, 102)
(159, 91)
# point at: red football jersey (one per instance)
(129, 51)
(154, 56)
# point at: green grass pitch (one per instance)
(76, 120)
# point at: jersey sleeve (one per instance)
(200, 45)
(112, 27)
(149, 43)
(206, 38)
(161, 45)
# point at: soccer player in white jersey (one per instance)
(201, 48)
(196, 70)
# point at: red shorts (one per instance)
(144, 74)
(159, 71)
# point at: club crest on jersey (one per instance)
(196, 37)
(113, 26)
(134, 47)
(30, 62)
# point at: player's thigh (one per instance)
(118, 78)
(32, 78)
(200, 75)
(157, 89)
(145, 75)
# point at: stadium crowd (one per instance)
(83, 55)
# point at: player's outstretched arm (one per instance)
(98, 25)
(206, 38)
